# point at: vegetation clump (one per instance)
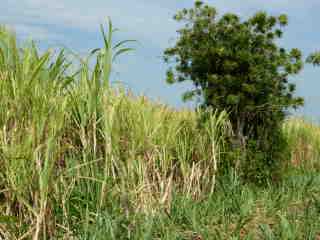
(239, 66)
(81, 158)
(71, 144)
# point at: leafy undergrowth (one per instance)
(80, 159)
(290, 210)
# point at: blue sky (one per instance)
(75, 24)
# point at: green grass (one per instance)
(81, 159)
(304, 139)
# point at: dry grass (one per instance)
(80, 159)
(304, 141)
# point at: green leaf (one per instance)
(123, 42)
(121, 51)
(283, 19)
(8, 219)
(233, 99)
(43, 60)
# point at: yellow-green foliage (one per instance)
(73, 149)
(304, 142)
(64, 134)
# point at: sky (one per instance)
(74, 24)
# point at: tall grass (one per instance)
(81, 159)
(304, 141)
(71, 144)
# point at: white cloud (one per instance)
(144, 19)
(150, 21)
(34, 32)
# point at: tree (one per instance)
(238, 66)
(314, 58)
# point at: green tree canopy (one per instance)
(314, 58)
(236, 65)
